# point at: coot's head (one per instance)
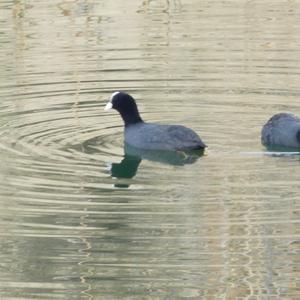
(126, 106)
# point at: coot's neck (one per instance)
(131, 117)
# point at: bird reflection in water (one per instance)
(129, 165)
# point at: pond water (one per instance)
(81, 221)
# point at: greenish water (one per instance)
(78, 220)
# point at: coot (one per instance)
(151, 136)
(283, 129)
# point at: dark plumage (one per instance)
(282, 129)
(149, 135)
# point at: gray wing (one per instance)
(185, 137)
(173, 137)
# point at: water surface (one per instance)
(79, 220)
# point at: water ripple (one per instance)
(80, 219)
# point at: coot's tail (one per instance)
(199, 146)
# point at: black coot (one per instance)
(149, 135)
(283, 129)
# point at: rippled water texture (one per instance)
(81, 220)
